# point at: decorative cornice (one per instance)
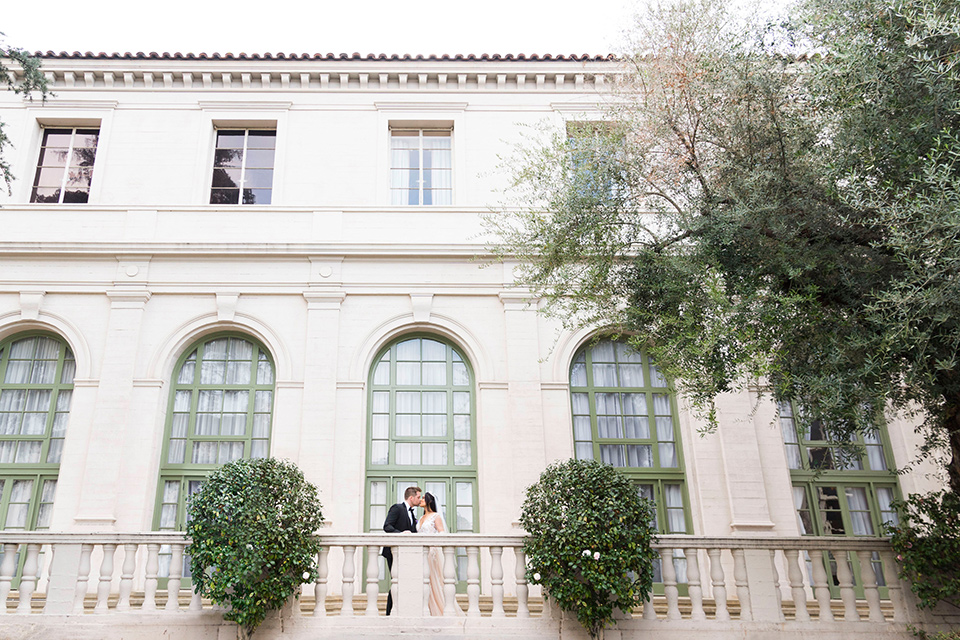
(153, 72)
(394, 57)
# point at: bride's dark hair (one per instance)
(430, 501)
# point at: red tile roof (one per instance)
(509, 57)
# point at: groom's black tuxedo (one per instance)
(398, 520)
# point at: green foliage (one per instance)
(589, 540)
(927, 543)
(27, 79)
(252, 527)
(767, 203)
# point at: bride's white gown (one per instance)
(428, 526)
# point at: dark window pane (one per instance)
(49, 177)
(75, 196)
(817, 432)
(260, 158)
(821, 458)
(228, 158)
(258, 178)
(45, 196)
(226, 177)
(224, 196)
(262, 140)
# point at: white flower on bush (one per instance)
(306, 575)
(586, 553)
(596, 555)
(536, 577)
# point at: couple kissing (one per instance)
(402, 519)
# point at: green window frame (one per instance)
(36, 389)
(421, 431)
(220, 409)
(836, 491)
(625, 414)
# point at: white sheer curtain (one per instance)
(859, 511)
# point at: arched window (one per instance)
(625, 414)
(37, 386)
(421, 430)
(220, 410)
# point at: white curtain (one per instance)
(859, 511)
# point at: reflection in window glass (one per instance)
(243, 167)
(65, 167)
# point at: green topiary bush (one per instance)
(252, 528)
(589, 544)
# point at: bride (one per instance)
(432, 523)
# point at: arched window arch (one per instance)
(625, 414)
(421, 430)
(220, 409)
(36, 388)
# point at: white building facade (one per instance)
(304, 275)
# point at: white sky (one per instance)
(320, 26)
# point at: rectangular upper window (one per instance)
(65, 167)
(421, 167)
(243, 166)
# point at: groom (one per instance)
(400, 519)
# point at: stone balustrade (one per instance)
(728, 584)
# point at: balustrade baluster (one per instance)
(196, 602)
(126, 576)
(173, 580)
(719, 585)
(694, 590)
(449, 581)
(373, 582)
(83, 576)
(743, 586)
(669, 573)
(820, 586)
(7, 570)
(496, 581)
(395, 576)
(473, 582)
(523, 609)
(795, 575)
(28, 580)
(869, 581)
(151, 569)
(106, 578)
(320, 586)
(649, 611)
(426, 581)
(349, 571)
(847, 594)
(50, 605)
(894, 591)
(776, 583)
